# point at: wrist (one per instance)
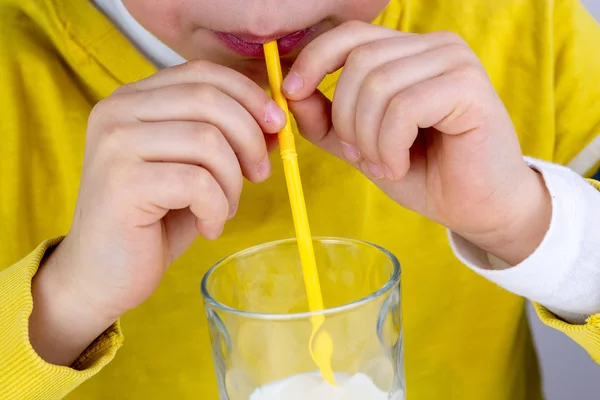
(528, 216)
(63, 323)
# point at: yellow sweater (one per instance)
(465, 337)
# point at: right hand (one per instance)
(164, 162)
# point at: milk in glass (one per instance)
(312, 386)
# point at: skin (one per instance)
(185, 25)
(165, 157)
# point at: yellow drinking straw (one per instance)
(321, 344)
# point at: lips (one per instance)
(252, 46)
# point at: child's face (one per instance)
(230, 32)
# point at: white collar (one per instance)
(146, 43)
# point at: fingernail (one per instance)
(232, 211)
(220, 232)
(351, 153)
(264, 169)
(292, 83)
(274, 114)
(388, 173)
(375, 171)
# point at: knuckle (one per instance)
(208, 192)
(211, 139)
(251, 90)
(258, 151)
(127, 88)
(401, 105)
(213, 195)
(112, 139)
(343, 127)
(100, 110)
(359, 57)
(101, 120)
(353, 25)
(196, 67)
(204, 93)
(380, 79)
(460, 51)
(470, 76)
(114, 132)
(192, 176)
(449, 37)
(235, 187)
(197, 183)
(253, 150)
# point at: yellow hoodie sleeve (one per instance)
(576, 87)
(587, 335)
(23, 374)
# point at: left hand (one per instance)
(419, 116)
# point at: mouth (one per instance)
(252, 46)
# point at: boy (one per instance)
(165, 154)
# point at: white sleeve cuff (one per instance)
(563, 273)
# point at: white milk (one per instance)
(312, 386)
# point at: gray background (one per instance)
(568, 372)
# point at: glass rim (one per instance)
(390, 283)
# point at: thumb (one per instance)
(313, 117)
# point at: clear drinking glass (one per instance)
(260, 325)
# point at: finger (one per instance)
(272, 142)
(328, 53)
(313, 116)
(239, 87)
(361, 64)
(156, 188)
(181, 231)
(382, 83)
(193, 143)
(445, 103)
(201, 103)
